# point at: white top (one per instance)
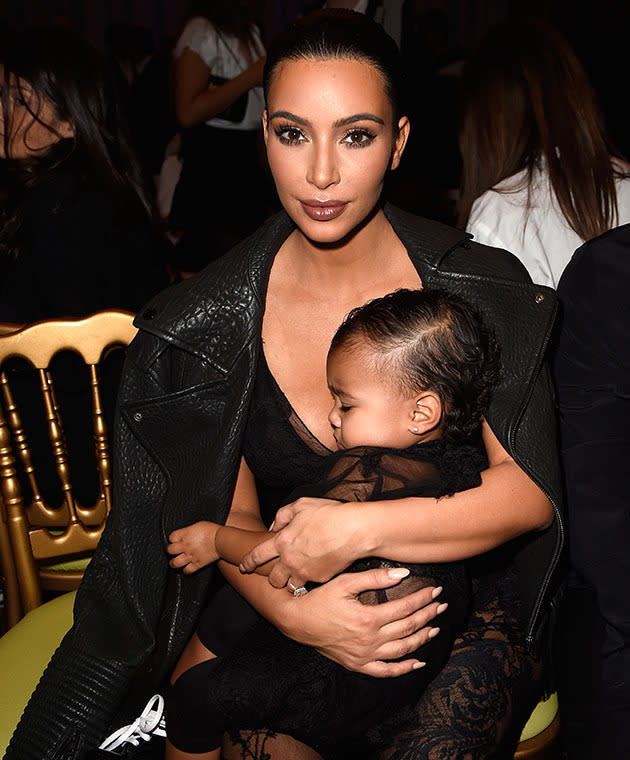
(222, 55)
(542, 240)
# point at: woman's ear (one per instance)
(426, 415)
(399, 143)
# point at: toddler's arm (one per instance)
(203, 543)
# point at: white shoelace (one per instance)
(150, 723)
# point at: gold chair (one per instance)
(40, 543)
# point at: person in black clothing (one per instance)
(201, 437)
(77, 233)
(592, 369)
(411, 376)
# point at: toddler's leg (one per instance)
(194, 654)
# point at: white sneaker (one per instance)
(149, 724)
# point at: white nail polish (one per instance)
(398, 572)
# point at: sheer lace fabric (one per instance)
(475, 707)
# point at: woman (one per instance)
(540, 175)
(219, 60)
(204, 428)
(76, 233)
(591, 368)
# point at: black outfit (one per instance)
(265, 680)
(592, 370)
(78, 252)
(184, 405)
(221, 193)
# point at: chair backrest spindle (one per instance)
(40, 534)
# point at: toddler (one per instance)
(411, 376)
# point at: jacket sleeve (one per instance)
(117, 606)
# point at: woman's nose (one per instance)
(323, 170)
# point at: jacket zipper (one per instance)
(530, 638)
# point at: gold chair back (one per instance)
(40, 536)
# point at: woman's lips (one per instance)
(323, 211)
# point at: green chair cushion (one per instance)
(25, 651)
(27, 647)
(71, 564)
(543, 715)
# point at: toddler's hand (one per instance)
(194, 546)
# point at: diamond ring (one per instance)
(296, 590)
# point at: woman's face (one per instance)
(27, 135)
(330, 141)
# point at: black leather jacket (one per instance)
(182, 409)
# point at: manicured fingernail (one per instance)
(441, 608)
(398, 572)
(419, 665)
(272, 524)
(437, 591)
(242, 569)
(433, 632)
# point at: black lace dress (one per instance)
(269, 685)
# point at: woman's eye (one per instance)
(358, 138)
(345, 408)
(290, 135)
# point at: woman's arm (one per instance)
(318, 538)
(194, 102)
(331, 618)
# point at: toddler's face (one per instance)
(367, 409)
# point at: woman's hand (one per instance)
(364, 637)
(316, 539)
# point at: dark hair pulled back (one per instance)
(429, 340)
(339, 33)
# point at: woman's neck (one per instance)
(368, 258)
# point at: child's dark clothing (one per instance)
(267, 680)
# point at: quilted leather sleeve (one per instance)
(117, 606)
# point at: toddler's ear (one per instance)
(426, 414)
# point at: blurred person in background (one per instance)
(219, 59)
(76, 230)
(540, 175)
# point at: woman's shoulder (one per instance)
(452, 250)
(223, 296)
(195, 35)
(600, 261)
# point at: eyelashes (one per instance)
(289, 135)
(357, 137)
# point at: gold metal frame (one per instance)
(34, 536)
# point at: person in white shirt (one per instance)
(540, 175)
(219, 59)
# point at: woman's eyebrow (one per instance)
(358, 117)
(339, 123)
(290, 116)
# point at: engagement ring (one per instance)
(297, 590)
